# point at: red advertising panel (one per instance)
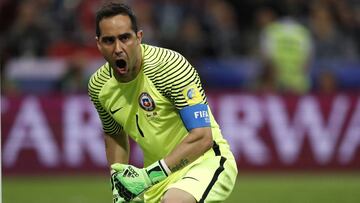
(50, 134)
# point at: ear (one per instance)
(139, 36)
(98, 43)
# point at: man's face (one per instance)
(120, 46)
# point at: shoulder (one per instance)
(163, 60)
(98, 79)
(161, 63)
(160, 56)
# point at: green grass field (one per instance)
(250, 188)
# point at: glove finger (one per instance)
(112, 179)
(123, 191)
(118, 167)
(116, 197)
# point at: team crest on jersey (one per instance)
(192, 95)
(146, 102)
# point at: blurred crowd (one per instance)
(285, 35)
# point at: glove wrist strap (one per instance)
(157, 172)
(165, 167)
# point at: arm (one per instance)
(117, 148)
(117, 151)
(195, 144)
(130, 181)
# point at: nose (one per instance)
(118, 48)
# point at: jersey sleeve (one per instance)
(174, 77)
(95, 85)
(185, 88)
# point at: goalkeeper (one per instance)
(155, 97)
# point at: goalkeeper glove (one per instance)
(129, 181)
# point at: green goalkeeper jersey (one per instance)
(147, 108)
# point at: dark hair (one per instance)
(110, 9)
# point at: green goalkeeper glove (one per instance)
(129, 181)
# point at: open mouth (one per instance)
(120, 64)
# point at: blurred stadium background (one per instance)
(283, 80)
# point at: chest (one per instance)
(138, 106)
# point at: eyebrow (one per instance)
(127, 34)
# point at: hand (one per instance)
(118, 199)
(115, 187)
(129, 181)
